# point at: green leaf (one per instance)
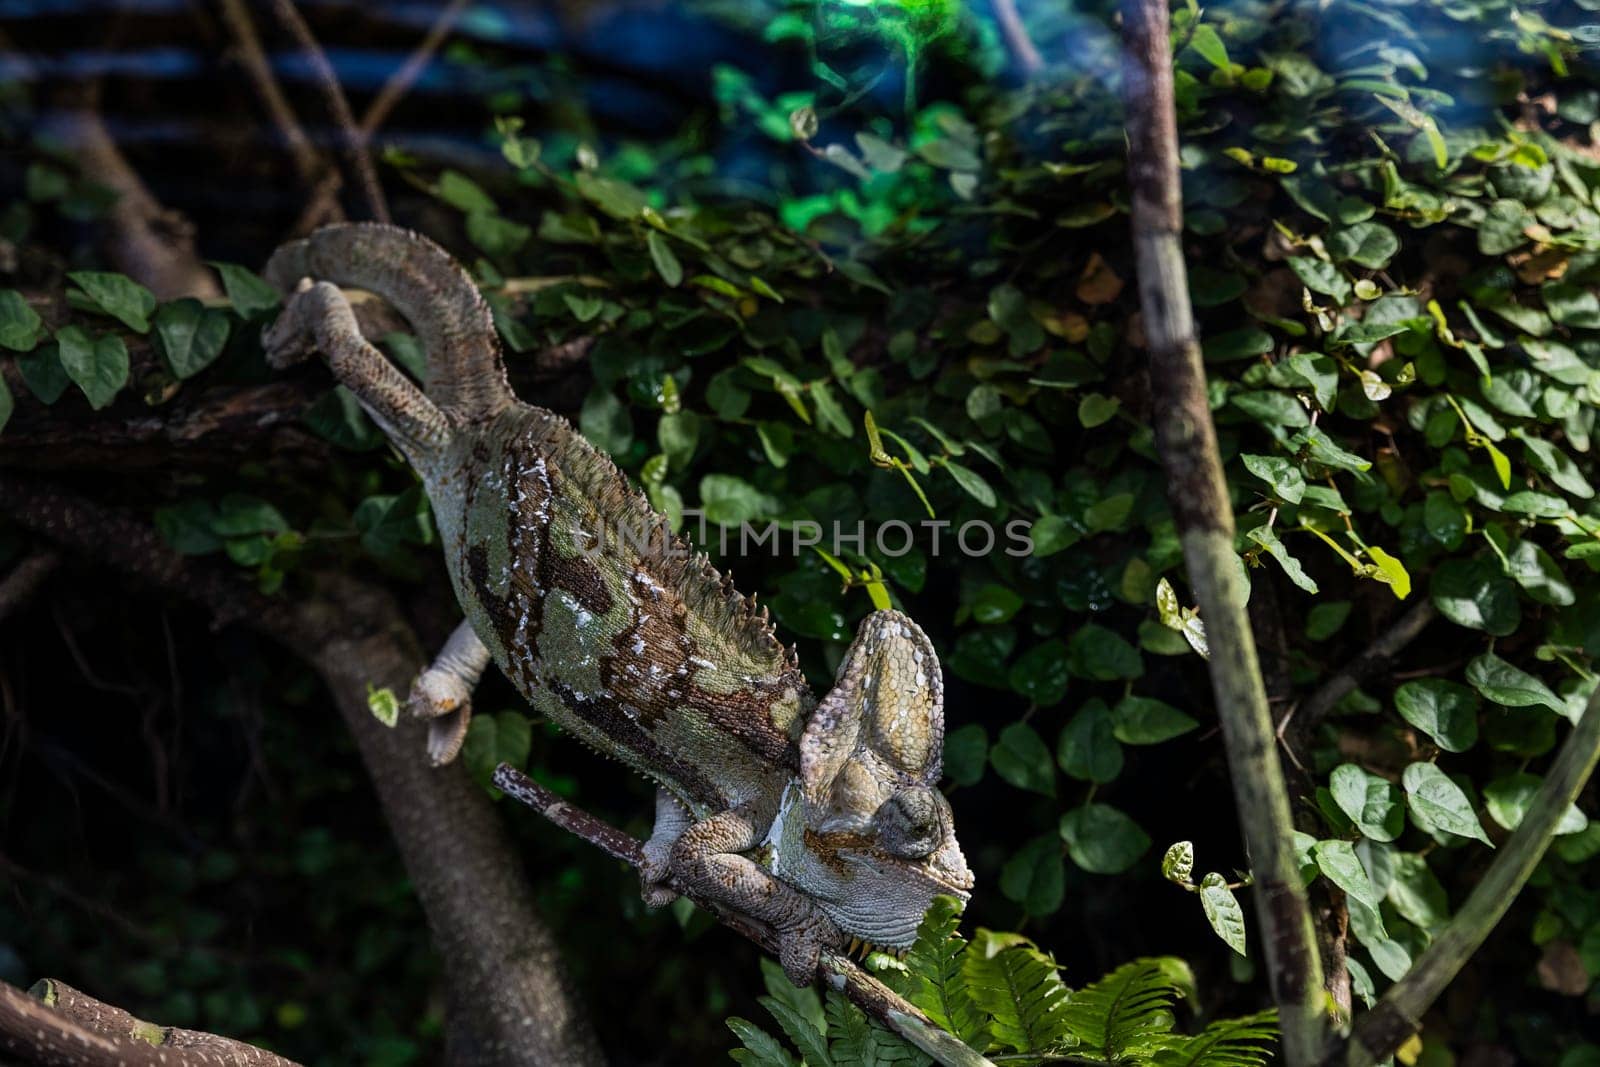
(496, 235)
(994, 604)
(1264, 536)
(1223, 911)
(1337, 860)
(1022, 759)
(1503, 683)
(1208, 44)
(1040, 675)
(98, 365)
(1502, 227)
(1102, 840)
(190, 335)
(1374, 804)
(1540, 576)
(1146, 721)
(1325, 619)
(1088, 748)
(388, 523)
(1096, 410)
(938, 984)
(20, 325)
(1104, 655)
(662, 256)
(1035, 877)
(729, 500)
(972, 482)
(1177, 864)
(1323, 449)
(1475, 594)
(613, 196)
(1020, 988)
(460, 191)
(1321, 277)
(1237, 344)
(1508, 799)
(1439, 803)
(1416, 894)
(6, 403)
(1284, 476)
(383, 704)
(1551, 461)
(248, 294)
(966, 751)
(1445, 711)
(1370, 244)
(1127, 1014)
(118, 296)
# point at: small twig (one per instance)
(401, 80)
(355, 143)
(25, 579)
(840, 972)
(1398, 1013)
(1015, 35)
(1305, 716)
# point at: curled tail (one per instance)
(466, 378)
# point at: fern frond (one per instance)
(804, 1001)
(857, 1041)
(934, 980)
(807, 1038)
(761, 1049)
(1021, 990)
(1128, 1012)
(1242, 1042)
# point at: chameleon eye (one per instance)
(909, 823)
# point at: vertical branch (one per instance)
(1015, 34)
(355, 142)
(1186, 441)
(1398, 1013)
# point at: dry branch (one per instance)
(66, 1028)
(840, 971)
(1187, 443)
(402, 79)
(355, 144)
(1398, 1014)
(25, 579)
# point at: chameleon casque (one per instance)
(820, 818)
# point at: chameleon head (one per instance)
(876, 840)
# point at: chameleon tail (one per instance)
(466, 377)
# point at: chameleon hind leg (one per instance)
(442, 694)
(319, 317)
(707, 859)
(672, 819)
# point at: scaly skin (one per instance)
(821, 819)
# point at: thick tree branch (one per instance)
(65, 1028)
(25, 579)
(841, 972)
(1399, 1011)
(510, 1002)
(1015, 34)
(1186, 441)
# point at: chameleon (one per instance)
(821, 818)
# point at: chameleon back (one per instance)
(606, 623)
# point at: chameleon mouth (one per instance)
(860, 949)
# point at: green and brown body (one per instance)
(817, 817)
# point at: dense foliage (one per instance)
(830, 307)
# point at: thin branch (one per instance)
(25, 579)
(1015, 35)
(65, 1028)
(1398, 1013)
(841, 972)
(401, 80)
(1307, 715)
(1187, 442)
(355, 143)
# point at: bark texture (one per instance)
(1186, 441)
(511, 1002)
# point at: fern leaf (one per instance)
(1128, 1012)
(806, 1036)
(857, 1041)
(804, 1001)
(934, 981)
(1243, 1042)
(1021, 990)
(761, 1049)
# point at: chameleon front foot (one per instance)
(800, 947)
(442, 694)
